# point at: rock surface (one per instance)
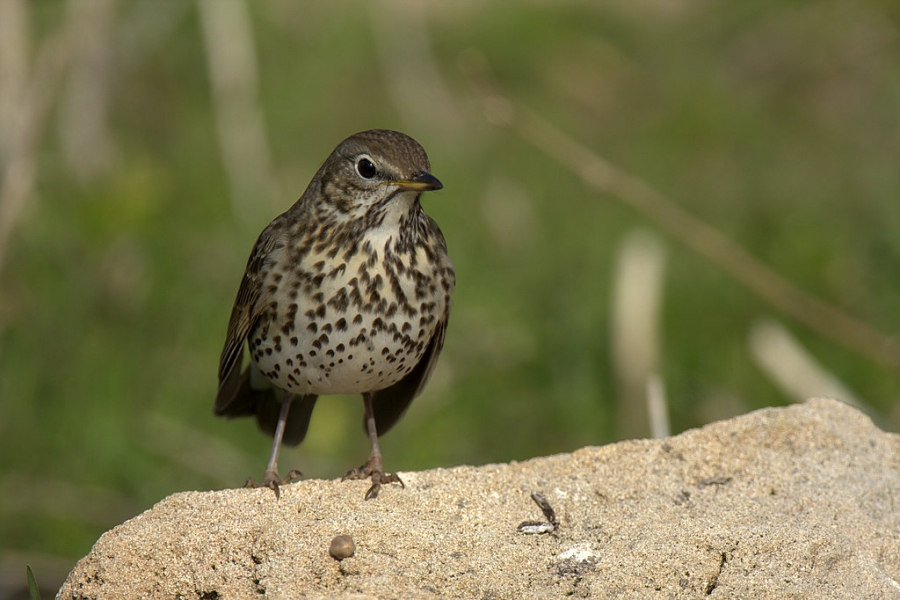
(797, 502)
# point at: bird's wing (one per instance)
(244, 315)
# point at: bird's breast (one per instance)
(348, 322)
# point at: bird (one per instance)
(346, 292)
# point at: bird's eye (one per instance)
(365, 168)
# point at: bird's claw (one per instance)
(273, 480)
(378, 476)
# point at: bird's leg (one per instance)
(374, 467)
(272, 479)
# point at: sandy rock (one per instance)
(797, 502)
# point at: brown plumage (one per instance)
(348, 291)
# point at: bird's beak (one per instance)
(423, 182)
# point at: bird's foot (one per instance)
(273, 480)
(373, 469)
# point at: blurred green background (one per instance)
(146, 143)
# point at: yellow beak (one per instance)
(423, 182)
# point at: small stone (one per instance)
(535, 527)
(342, 547)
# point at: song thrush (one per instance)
(346, 292)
